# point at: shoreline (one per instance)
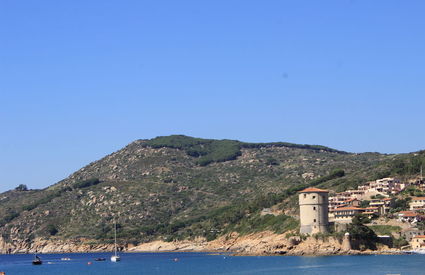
(256, 244)
(234, 254)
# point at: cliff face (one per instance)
(175, 188)
(263, 243)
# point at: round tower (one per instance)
(313, 210)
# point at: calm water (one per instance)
(202, 263)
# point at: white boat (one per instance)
(115, 257)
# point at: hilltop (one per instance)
(182, 188)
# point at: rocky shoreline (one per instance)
(258, 244)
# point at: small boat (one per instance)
(100, 259)
(37, 260)
(115, 257)
(65, 259)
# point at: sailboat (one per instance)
(115, 257)
(37, 260)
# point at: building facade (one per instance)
(314, 211)
(417, 203)
(418, 242)
(410, 233)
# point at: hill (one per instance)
(179, 187)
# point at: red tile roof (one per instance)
(314, 190)
(408, 213)
(354, 199)
(419, 237)
(418, 198)
(347, 208)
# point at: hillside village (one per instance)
(390, 204)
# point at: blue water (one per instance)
(203, 263)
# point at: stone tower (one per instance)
(313, 211)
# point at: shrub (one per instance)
(210, 150)
(21, 187)
(361, 234)
(398, 205)
(86, 183)
(385, 229)
(400, 242)
(51, 229)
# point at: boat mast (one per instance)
(115, 243)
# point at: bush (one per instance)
(400, 242)
(211, 150)
(362, 235)
(21, 187)
(272, 161)
(51, 229)
(207, 150)
(9, 217)
(86, 183)
(385, 229)
(364, 204)
(400, 205)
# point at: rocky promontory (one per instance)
(262, 243)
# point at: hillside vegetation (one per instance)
(179, 187)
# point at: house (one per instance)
(382, 204)
(335, 202)
(352, 202)
(417, 203)
(345, 214)
(370, 211)
(383, 186)
(418, 242)
(409, 216)
(408, 234)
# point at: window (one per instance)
(314, 197)
(314, 220)
(305, 196)
(314, 207)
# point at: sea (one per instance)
(208, 263)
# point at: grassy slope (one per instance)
(180, 187)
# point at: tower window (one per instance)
(314, 207)
(305, 196)
(314, 197)
(314, 220)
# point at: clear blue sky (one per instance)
(81, 79)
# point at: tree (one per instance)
(378, 196)
(362, 236)
(272, 161)
(51, 229)
(364, 203)
(400, 205)
(21, 187)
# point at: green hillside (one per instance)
(179, 187)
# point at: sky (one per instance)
(81, 79)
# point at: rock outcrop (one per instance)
(262, 243)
